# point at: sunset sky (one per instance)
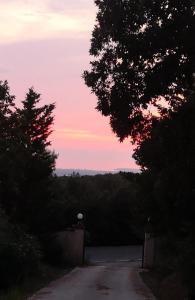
(45, 44)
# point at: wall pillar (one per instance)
(148, 257)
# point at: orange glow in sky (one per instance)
(45, 44)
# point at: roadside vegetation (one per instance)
(26, 288)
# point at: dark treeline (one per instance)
(108, 203)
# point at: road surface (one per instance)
(113, 254)
(112, 275)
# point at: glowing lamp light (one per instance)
(80, 216)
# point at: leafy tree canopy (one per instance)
(143, 52)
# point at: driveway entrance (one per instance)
(112, 274)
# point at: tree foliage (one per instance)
(143, 51)
(142, 73)
(108, 203)
(25, 159)
(20, 253)
(26, 168)
(169, 155)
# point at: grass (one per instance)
(32, 285)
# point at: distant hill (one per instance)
(82, 172)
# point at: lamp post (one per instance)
(80, 218)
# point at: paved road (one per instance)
(116, 280)
(113, 254)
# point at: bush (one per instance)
(19, 254)
(52, 249)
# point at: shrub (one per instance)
(19, 254)
(52, 249)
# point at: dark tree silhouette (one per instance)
(168, 157)
(143, 64)
(26, 163)
(143, 51)
(34, 129)
(7, 143)
(169, 154)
